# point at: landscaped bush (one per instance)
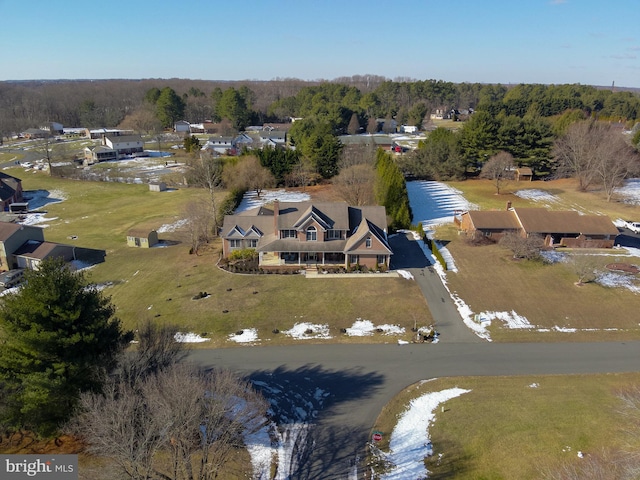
(243, 254)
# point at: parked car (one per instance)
(11, 278)
(634, 226)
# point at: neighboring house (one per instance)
(10, 191)
(306, 233)
(102, 132)
(523, 174)
(32, 133)
(408, 129)
(221, 145)
(124, 144)
(243, 140)
(54, 128)
(32, 252)
(12, 237)
(182, 126)
(142, 238)
(557, 228)
(382, 141)
(74, 132)
(440, 114)
(99, 154)
(273, 138)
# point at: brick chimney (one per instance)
(508, 205)
(276, 213)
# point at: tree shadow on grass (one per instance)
(304, 403)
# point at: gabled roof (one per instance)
(313, 214)
(539, 220)
(124, 138)
(362, 231)
(7, 229)
(36, 249)
(494, 220)
(8, 186)
(542, 221)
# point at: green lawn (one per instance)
(517, 427)
(160, 283)
(488, 279)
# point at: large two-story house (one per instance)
(307, 233)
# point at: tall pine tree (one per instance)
(58, 338)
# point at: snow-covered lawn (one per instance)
(251, 199)
(410, 442)
(38, 199)
(537, 195)
(435, 203)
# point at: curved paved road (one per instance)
(363, 378)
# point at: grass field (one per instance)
(517, 427)
(160, 283)
(490, 280)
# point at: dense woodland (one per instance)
(527, 121)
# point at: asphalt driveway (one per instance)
(407, 255)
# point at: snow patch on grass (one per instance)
(251, 199)
(248, 335)
(410, 441)
(364, 328)
(181, 337)
(305, 330)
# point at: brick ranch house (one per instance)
(306, 233)
(557, 228)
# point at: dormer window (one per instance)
(312, 234)
(368, 242)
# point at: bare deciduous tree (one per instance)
(498, 169)
(522, 247)
(248, 174)
(207, 172)
(142, 120)
(199, 221)
(584, 266)
(179, 424)
(595, 153)
(302, 174)
(355, 184)
(357, 155)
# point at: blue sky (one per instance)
(593, 42)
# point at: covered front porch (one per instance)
(274, 259)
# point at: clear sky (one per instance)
(594, 42)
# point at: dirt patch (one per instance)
(623, 267)
(320, 193)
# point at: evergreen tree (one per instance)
(59, 338)
(170, 107)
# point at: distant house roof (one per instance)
(9, 186)
(542, 221)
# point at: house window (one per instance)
(381, 260)
(312, 234)
(235, 243)
(253, 243)
(288, 234)
(334, 234)
(368, 242)
(353, 259)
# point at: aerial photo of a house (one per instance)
(306, 234)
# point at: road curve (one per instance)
(363, 378)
